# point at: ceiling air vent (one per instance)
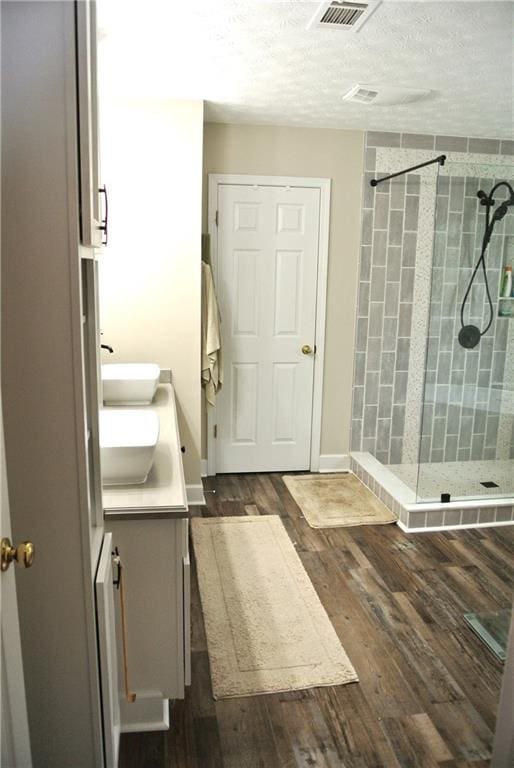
(343, 15)
(384, 95)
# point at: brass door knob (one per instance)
(23, 554)
(306, 349)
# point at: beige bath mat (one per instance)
(334, 501)
(266, 628)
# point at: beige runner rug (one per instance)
(267, 630)
(334, 501)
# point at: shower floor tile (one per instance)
(461, 479)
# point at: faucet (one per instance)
(106, 346)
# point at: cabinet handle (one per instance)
(105, 220)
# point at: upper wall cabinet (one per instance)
(93, 196)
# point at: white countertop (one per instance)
(164, 492)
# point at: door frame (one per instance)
(323, 184)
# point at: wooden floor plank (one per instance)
(428, 689)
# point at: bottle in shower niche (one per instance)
(506, 287)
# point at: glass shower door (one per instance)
(467, 418)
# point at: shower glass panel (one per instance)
(466, 446)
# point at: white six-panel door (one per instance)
(267, 282)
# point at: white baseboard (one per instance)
(203, 467)
(149, 712)
(334, 462)
(195, 495)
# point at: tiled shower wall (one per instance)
(390, 233)
(463, 402)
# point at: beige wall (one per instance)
(333, 154)
(150, 273)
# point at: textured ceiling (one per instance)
(253, 61)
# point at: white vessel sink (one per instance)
(127, 444)
(129, 383)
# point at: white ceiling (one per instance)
(253, 61)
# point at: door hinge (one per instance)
(215, 431)
(217, 218)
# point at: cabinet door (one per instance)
(108, 653)
(92, 221)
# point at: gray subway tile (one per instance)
(454, 230)
(360, 368)
(367, 226)
(396, 450)
(443, 185)
(484, 146)
(477, 447)
(370, 159)
(409, 249)
(390, 334)
(371, 388)
(407, 284)
(382, 456)
(507, 147)
(392, 298)
(400, 387)
(379, 247)
(451, 143)
(456, 193)
(417, 141)
(382, 139)
(394, 263)
(411, 213)
(374, 350)
(397, 200)
(368, 192)
(398, 421)
(385, 402)
(405, 319)
(413, 184)
(361, 335)
(356, 436)
(441, 214)
(377, 291)
(365, 270)
(383, 434)
(402, 354)
(357, 402)
(450, 448)
(395, 227)
(381, 216)
(469, 218)
(369, 426)
(387, 367)
(363, 300)
(376, 318)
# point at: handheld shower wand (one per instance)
(470, 335)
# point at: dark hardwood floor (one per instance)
(428, 689)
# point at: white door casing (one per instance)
(269, 257)
(14, 728)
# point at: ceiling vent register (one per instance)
(343, 15)
(384, 95)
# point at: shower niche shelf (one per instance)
(506, 309)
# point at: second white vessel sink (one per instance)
(128, 439)
(129, 383)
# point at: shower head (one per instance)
(487, 199)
